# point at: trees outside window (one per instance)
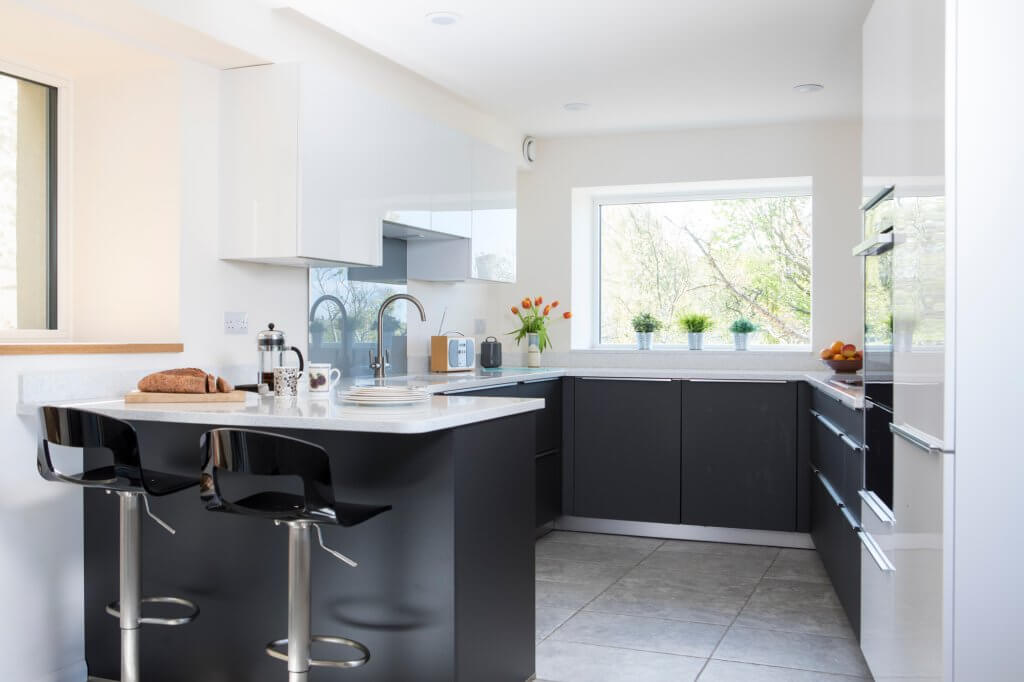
(727, 258)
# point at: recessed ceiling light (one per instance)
(809, 87)
(443, 18)
(576, 106)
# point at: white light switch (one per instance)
(236, 323)
(479, 326)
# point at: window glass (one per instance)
(27, 215)
(724, 258)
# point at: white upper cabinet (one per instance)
(301, 170)
(490, 218)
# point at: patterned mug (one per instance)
(286, 382)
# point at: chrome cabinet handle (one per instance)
(625, 379)
(831, 491)
(738, 381)
(850, 443)
(877, 507)
(917, 439)
(876, 552)
(836, 431)
(479, 388)
(880, 243)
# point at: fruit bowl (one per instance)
(845, 366)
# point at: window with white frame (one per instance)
(28, 204)
(729, 253)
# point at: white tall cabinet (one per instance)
(906, 593)
(301, 170)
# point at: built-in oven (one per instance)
(879, 221)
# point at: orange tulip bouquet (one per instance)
(534, 321)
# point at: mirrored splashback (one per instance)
(343, 305)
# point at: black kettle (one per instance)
(490, 353)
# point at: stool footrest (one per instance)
(114, 609)
(273, 650)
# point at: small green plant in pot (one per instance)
(695, 324)
(741, 330)
(645, 324)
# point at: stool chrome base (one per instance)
(273, 650)
(299, 622)
(128, 609)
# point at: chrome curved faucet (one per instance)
(380, 363)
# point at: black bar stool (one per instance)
(269, 454)
(80, 429)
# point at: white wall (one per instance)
(986, 107)
(827, 152)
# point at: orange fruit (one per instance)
(837, 356)
(837, 347)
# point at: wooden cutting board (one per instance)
(140, 397)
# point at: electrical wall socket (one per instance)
(479, 326)
(236, 323)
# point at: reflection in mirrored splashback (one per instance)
(343, 305)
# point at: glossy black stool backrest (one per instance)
(71, 427)
(268, 454)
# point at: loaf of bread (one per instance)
(184, 380)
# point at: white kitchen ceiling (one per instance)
(638, 64)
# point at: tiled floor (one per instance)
(624, 608)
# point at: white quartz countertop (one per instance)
(326, 413)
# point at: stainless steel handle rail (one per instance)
(877, 507)
(651, 379)
(455, 391)
(876, 552)
(917, 439)
(850, 443)
(830, 490)
(738, 381)
(540, 381)
(836, 431)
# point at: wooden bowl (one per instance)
(845, 366)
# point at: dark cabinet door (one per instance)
(739, 454)
(549, 487)
(499, 391)
(626, 449)
(549, 420)
(834, 532)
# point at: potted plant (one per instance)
(645, 324)
(534, 327)
(741, 330)
(695, 325)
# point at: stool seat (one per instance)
(154, 483)
(282, 506)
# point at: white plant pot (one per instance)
(644, 340)
(532, 350)
(696, 340)
(740, 340)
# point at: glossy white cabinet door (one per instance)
(494, 214)
(407, 153)
(451, 179)
(340, 171)
(259, 163)
(903, 611)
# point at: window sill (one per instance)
(69, 348)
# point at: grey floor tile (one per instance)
(602, 540)
(798, 564)
(697, 597)
(609, 555)
(572, 662)
(564, 570)
(724, 548)
(646, 634)
(736, 564)
(796, 606)
(565, 595)
(792, 650)
(730, 671)
(547, 619)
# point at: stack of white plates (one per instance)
(385, 395)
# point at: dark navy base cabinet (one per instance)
(626, 449)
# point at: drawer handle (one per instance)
(738, 381)
(854, 526)
(479, 388)
(877, 507)
(540, 381)
(876, 552)
(624, 379)
(850, 443)
(836, 431)
(831, 491)
(917, 438)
